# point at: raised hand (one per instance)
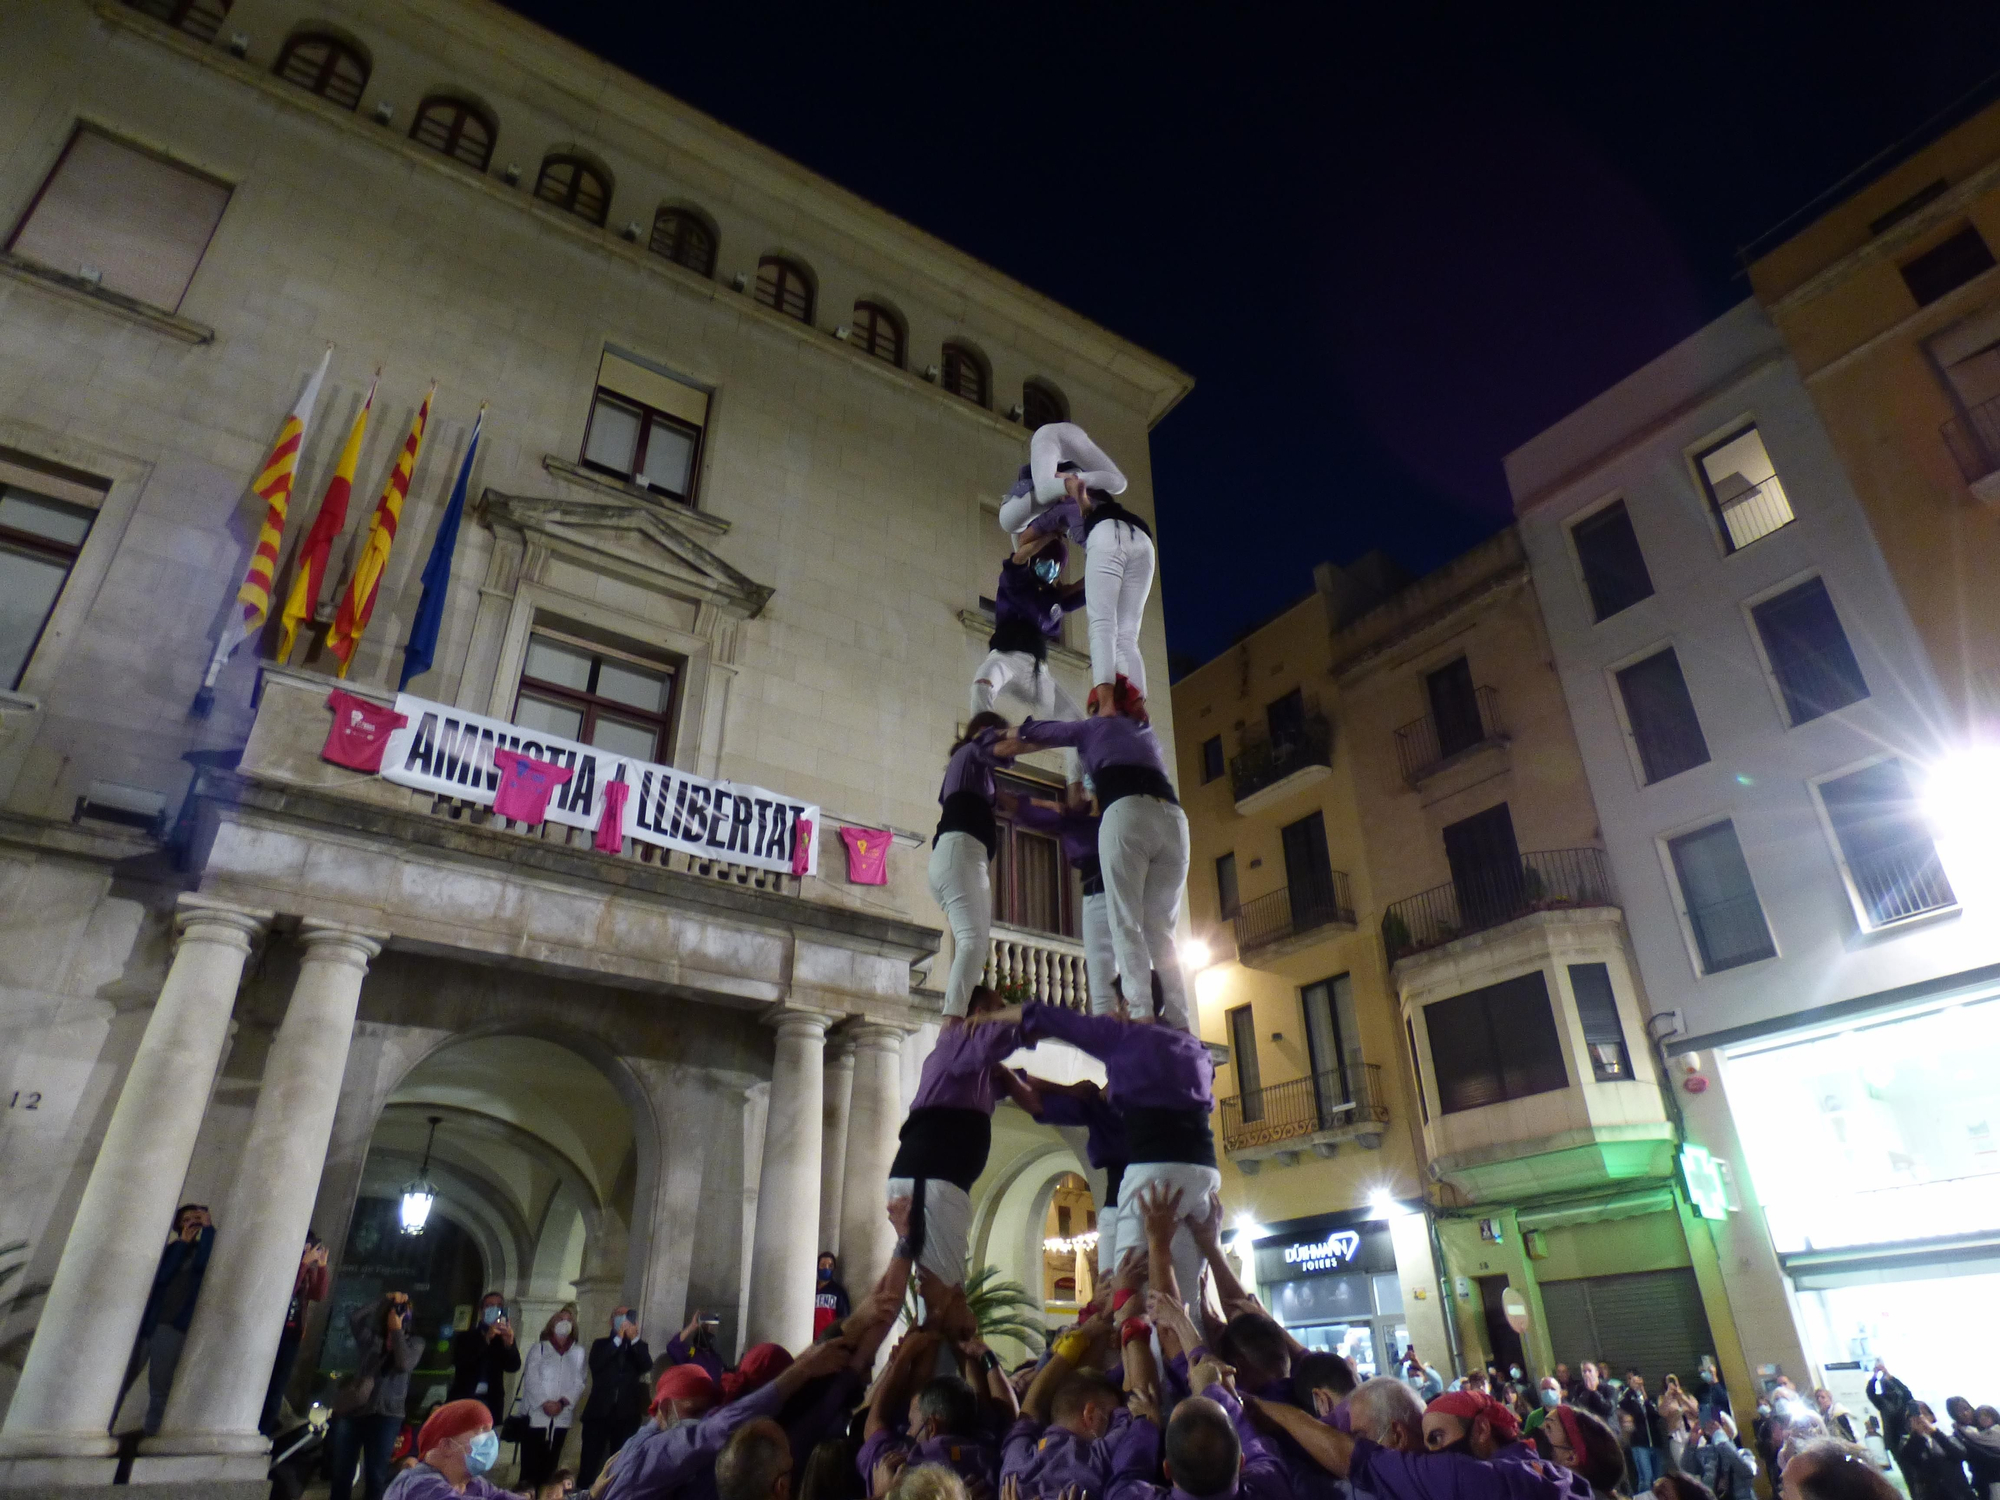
(899, 1216)
(1208, 1232)
(1160, 1209)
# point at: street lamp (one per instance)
(418, 1196)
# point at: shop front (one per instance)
(1875, 1152)
(1333, 1282)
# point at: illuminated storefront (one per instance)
(1875, 1151)
(1332, 1281)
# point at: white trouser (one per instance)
(1018, 677)
(963, 890)
(1098, 961)
(1117, 577)
(1195, 1184)
(1142, 846)
(940, 1224)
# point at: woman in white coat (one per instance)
(552, 1379)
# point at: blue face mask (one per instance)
(1047, 569)
(489, 1315)
(1551, 1398)
(483, 1452)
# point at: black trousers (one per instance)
(600, 1441)
(539, 1451)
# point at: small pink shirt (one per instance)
(610, 836)
(802, 846)
(526, 784)
(360, 731)
(867, 855)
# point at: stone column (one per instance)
(210, 1430)
(833, 1139)
(781, 1259)
(55, 1431)
(874, 1117)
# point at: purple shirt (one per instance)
(678, 1353)
(959, 1072)
(1047, 1460)
(1137, 1462)
(970, 768)
(1394, 1475)
(1075, 831)
(422, 1482)
(680, 1460)
(1022, 598)
(1148, 1067)
(1105, 1141)
(972, 1459)
(1113, 740)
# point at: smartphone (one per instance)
(711, 1322)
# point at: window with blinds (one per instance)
(646, 428)
(1597, 1009)
(1721, 903)
(1660, 716)
(1243, 1054)
(1495, 1044)
(44, 522)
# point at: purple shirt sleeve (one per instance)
(1100, 1036)
(1135, 1461)
(1017, 1449)
(1072, 732)
(874, 1448)
(669, 1458)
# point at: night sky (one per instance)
(1389, 247)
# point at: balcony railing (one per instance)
(1550, 879)
(1974, 440)
(1904, 881)
(1267, 762)
(1347, 1098)
(1319, 900)
(1425, 744)
(1039, 966)
(1755, 512)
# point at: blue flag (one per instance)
(417, 651)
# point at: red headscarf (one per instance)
(453, 1419)
(761, 1364)
(1469, 1406)
(680, 1383)
(1572, 1430)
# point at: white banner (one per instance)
(450, 752)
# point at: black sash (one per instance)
(1178, 1135)
(1109, 510)
(968, 812)
(1113, 782)
(948, 1144)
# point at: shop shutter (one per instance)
(1651, 1321)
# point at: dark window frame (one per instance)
(461, 112)
(791, 293)
(1706, 962)
(685, 238)
(28, 541)
(1801, 697)
(200, 19)
(1948, 265)
(1214, 764)
(1518, 1066)
(1666, 741)
(1239, 1021)
(1716, 513)
(1610, 591)
(1597, 1014)
(570, 196)
(877, 332)
(1041, 404)
(324, 75)
(649, 418)
(1228, 894)
(592, 704)
(1848, 825)
(963, 372)
(1005, 868)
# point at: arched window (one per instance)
(684, 239)
(324, 65)
(200, 19)
(877, 331)
(458, 129)
(573, 184)
(784, 286)
(1041, 405)
(965, 374)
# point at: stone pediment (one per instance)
(635, 539)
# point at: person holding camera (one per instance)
(368, 1404)
(619, 1363)
(308, 1287)
(169, 1309)
(483, 1356)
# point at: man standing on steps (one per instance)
(616, 1405)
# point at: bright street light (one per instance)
(1195, 954)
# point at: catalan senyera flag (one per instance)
(274, 488)
(326, 528)
(357, 603)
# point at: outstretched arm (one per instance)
(1021, 1090)
(1160, 1210)
(899, 1381)
(1328, 1447)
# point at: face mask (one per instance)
(1513, 1372)
(826, 1273)
(1551, 1398)
(489, 1315)
(483, 1452)
(564, 1329)
(1047, 569)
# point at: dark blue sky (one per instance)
(1390, 243)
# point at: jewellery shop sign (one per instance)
(449, 752)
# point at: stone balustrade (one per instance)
(1051, 967)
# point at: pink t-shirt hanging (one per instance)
(867, 855)
(802, 839)
(526, 784)
(360, 731)
(610, 836)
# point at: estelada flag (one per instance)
(326, 528)
(274, 488)
(357, 603)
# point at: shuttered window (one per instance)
(964, 374)
(1661, 716)
(683, 239)
(785, 287)
(454, 128)
(576, 186)
(1597, 1009)
(1651, 1321)
(1495, 1044)
(1040, 405)
(877, 331)
(324, 65)
(1243, 1053)
(1719, 898)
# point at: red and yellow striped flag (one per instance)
(326, 528)
(358, 602)
(274, 488)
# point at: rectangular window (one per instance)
(596, 695)
(1743, 488)
(1597, 1008)
(1417, 1070)
(1808, 652)
(40, 537)
(1243, 1052)
(1661, 716)
(1495, 1044)
(1614, 569)
(125, 219)
(1885, 844)
(1333, 1044)
(1033, 884)
(1721, 903)
(1309, 880)
(1485, 865)
(1286, 719)
(1226, 900)
(1454, 708)
(1946, 267)
(646, 428)
(1212, 765)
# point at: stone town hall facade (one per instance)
(731, 512)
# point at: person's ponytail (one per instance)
(975, 726)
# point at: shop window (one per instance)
(1743, 488)
(40, 539)
(324, 65)
(1947, 267)
(455, 128)
(1719, 899)
(1033, 885)
(122, 219)
(1495, 1044)
(684, 239)
(646, 428)
(596, 695)
(1243, 1053)
(965, 374)
(1809, 656)
(575, 186)
(877, 331)
(1597, 1009)
(1614, 569)
(783, 286)
(1212, 764)
(1226, 900)
(1884, 845)
(1660, 716)
(1041, 404)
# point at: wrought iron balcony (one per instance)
(1321, 900)
(1347, 1100)
(1264, 763)
(1424, 745)
(1544, 881)
(1974, 440)
(1905, 881)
